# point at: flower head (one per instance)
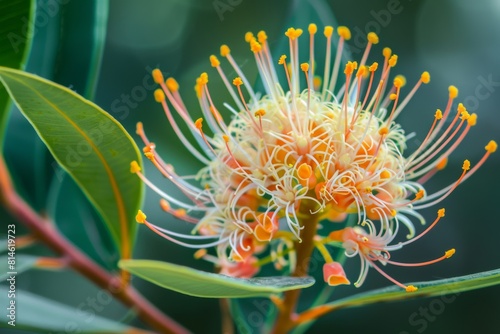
(308, 149)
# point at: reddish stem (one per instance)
(287, 315)
(46, 233)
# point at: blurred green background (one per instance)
(457, 41)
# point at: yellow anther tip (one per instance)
(383, 131)
(411, 288)
(140, 217)
(225, 50)
(172, 85)
(425, 77)
(344, 32)
(260, 113)
(465, 115)
(393, 60)
(453, 92)
(249, 36)
(255, 46)
(361, 71)
(350, 67)
(387, 52)
(328, 31)
(304, 67)
(204, 78)
(372, 38)
(472, 119)
(237, 81)
(312, 28)
(262, 36)
(441, 213)
(282, 59)
(164, 205)
(200, 253)
(466, 165)
(293, 33)
(491, 147)
(449, 253)
(214, 61)
(419, 194)
(225, 138)
(159, 95)
(398, 82)
(134, 167)
(442, 164)
(199, 123)
(139, 128)
(438, 114)
(373, 67)
(402, 78)
(157, 76)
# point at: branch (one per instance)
(44, 231)
(286, 317)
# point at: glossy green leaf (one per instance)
(425, 289)
(89, 144)
(209, 285)
(15, 42)
(22, 263)
(35, 312)
(82, 37)
(67, 47)
(75, 217)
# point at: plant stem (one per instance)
(44, 231)
(304, 249)
(226, 320)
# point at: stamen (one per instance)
(293, 35)
(214, 61)
(326, 76)
(199, 126)
(160, 97)
(447, 255)
(409, 288)
(140, 217)
(440, 214)
(345, 35)
(312, 31)
(305, 68)
(238, 82)
(465, 168)
(226, 53)
(178, 213)
(490, 148)
(372, 40)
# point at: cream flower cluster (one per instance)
(304, 154)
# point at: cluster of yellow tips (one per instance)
(314, 150)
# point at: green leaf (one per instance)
(75, 217)
(23, 262)
(89, 144)
(66, 47)
(425, 289)
(82, 36)
(35, 312)
(209, 285)
(15, 42)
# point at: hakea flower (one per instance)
(309, 149)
